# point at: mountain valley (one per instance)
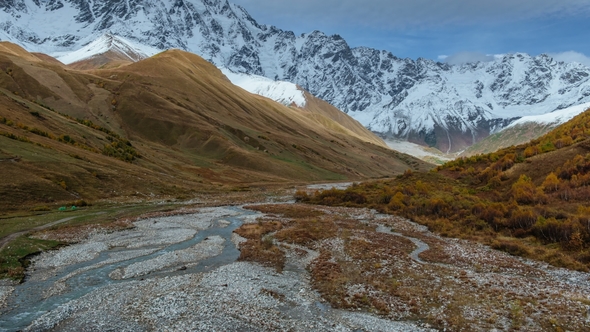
(166, 125)
(178, 166)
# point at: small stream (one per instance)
(28, 301)
(421, 246)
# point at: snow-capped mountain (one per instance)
(446, 106)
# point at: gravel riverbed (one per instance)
(180, 273)
(237, 297)
(174, 273)
(5, 292)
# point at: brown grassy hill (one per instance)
(530, 200)
(320, 110)
(16, 50)
(109, 59)
(168, 125)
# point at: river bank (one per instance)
(345, 269)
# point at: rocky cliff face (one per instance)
(441, 105)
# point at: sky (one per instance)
(454, 31)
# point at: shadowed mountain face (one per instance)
(166, 125)
(445, 106)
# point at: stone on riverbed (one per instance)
(5, 292)
(212, 246)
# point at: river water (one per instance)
(30, 299)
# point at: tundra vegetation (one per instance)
(360, 259)
(529, 200)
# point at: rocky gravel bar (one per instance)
(175, 273)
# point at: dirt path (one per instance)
(7, 239)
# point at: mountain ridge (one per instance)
(168, 125)
(423, 101)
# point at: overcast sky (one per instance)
(435, 29)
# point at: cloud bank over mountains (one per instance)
(417, 13)
(571, 56)
(471, 57)
(426, 28)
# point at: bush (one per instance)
(301, 196)
(79, 203)
(513, 248)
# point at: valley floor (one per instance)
(428, 154)
(366, 271)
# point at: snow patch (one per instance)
(553, 118)
(416, 150)
(283, 92)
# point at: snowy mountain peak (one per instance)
(108, 43)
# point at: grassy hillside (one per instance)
(109, 59)
(529, 200)
(168, 126)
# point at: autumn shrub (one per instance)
(397, 202)
(301, 196)
(522, 218)
(551, 183)
(525, 192)
(553, 231)
(511, 247)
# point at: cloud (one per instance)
(470, 57)
(571, 56)
(391, 14)
(467, 57)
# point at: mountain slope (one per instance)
(111, 52)
(292, 95)
(525, 129)
(445, 106)
(166, 125)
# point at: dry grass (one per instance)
(77, 233)
(260, 246)
(263, 252)
(258, 230)
(307, 231)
